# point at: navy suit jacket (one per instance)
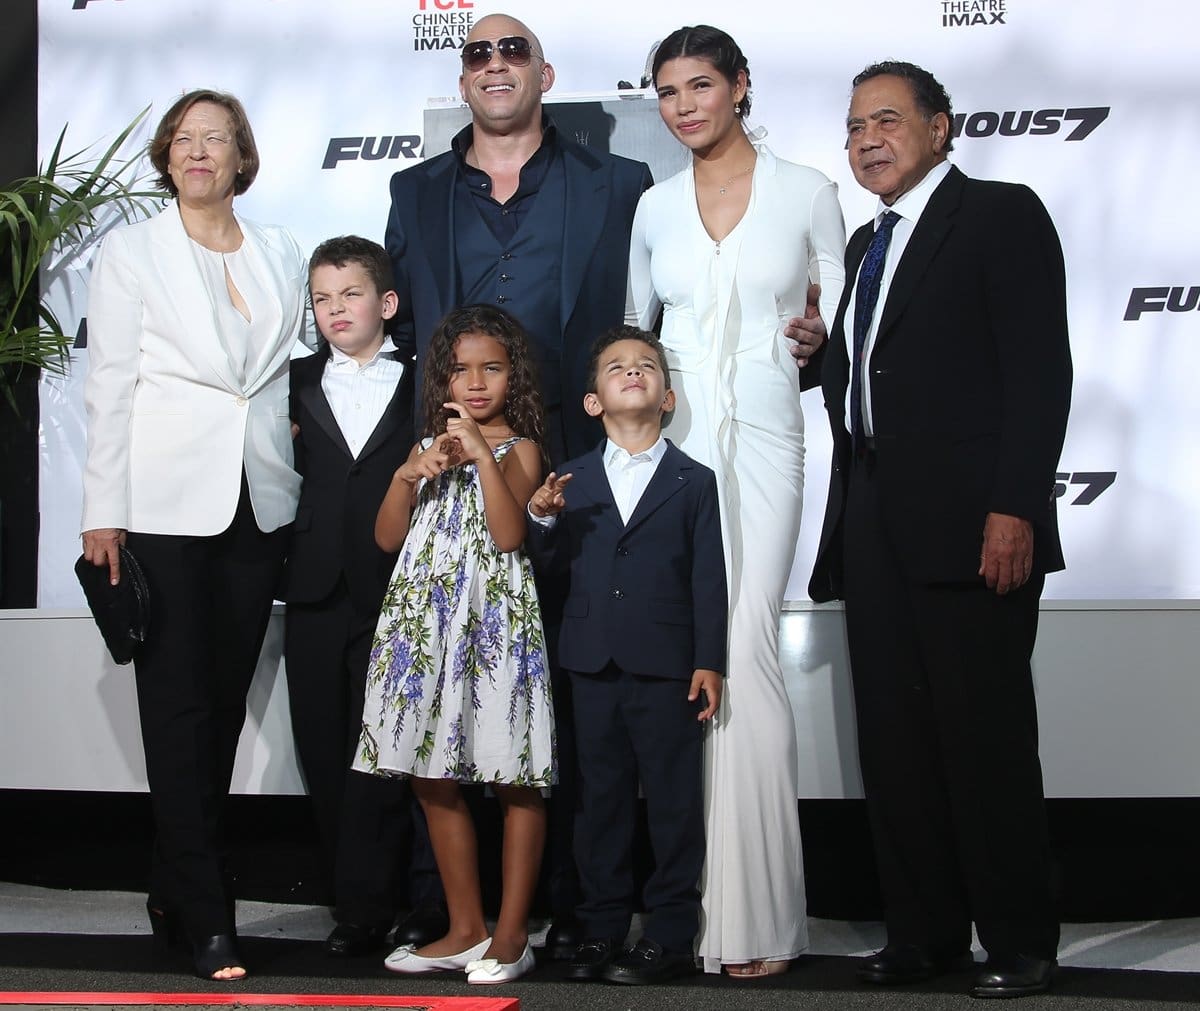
(970, 383)
(602, 195)
(650, 595)
(334, 532)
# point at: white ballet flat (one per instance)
(492, 970)
(405, 959)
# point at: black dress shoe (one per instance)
(422, 926)
(563, 938)
(648, 962)
(1013, 976)
(592, 957)
(906, 963)
(349, 940)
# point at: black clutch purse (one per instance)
(123, 611)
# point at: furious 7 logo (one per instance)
(1172, 299)
(371, 148)
(1028, 122)
(1095, 483)
(1042, 123)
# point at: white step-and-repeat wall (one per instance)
(1093, 104)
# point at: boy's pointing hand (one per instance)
(548, 500)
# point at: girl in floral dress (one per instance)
(458, 689)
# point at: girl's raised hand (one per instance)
(440, 455)
(473, 445)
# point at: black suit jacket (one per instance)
(970, 383)
(602, 195)
(334, 532)
(649, 596)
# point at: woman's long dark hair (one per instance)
(522, 406)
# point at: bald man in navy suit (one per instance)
(519, 215)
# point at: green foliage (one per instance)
(46, 220)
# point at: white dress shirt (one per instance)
(628, 475)
(909, 207)
(359, 394)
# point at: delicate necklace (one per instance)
(737, 175)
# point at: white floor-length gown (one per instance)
(738, 411)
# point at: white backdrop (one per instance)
(1090, 103)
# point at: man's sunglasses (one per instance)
(515, 50)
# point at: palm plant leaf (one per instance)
(46, 221)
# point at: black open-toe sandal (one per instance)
(216, 953)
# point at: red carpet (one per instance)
(271, 999)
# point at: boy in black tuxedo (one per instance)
(643, 636)
(351, 404)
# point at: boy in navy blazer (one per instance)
(635, 523)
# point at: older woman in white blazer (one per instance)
(192, 316)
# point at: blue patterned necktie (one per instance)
(866, 295)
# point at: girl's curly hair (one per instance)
(523, 404)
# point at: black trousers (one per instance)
(629, 730)
(210, 602)
(559, 873)
(366, 823)
(948, 742)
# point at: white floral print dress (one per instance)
(458, 686)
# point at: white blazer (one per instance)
(170, 424)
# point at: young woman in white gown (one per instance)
(728, 249)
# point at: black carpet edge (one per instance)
(127, 963)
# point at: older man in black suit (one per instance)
(947, 384)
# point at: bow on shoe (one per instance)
(492, 970)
